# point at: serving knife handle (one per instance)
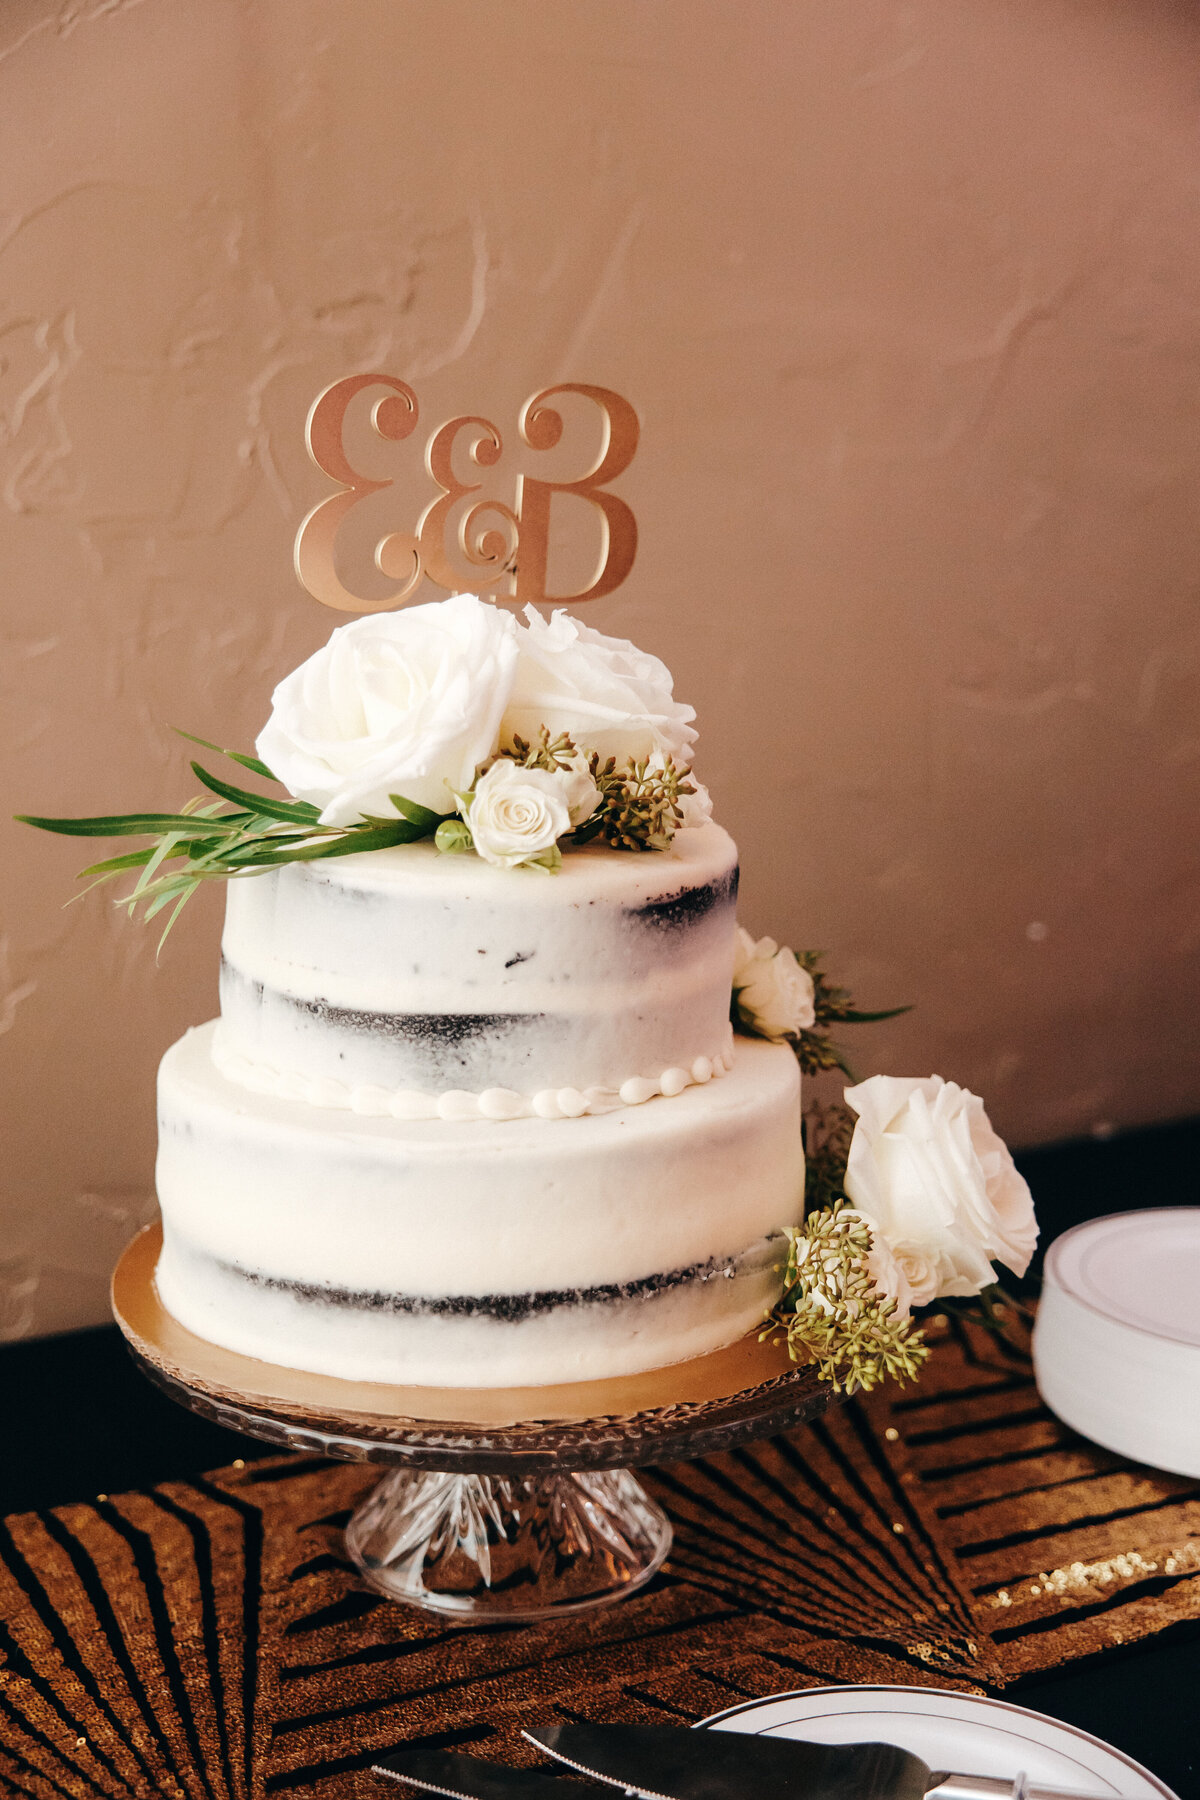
(992, 1787)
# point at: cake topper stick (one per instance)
(497, 540)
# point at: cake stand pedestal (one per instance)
(500, 1504)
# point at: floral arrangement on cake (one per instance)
(452, 720)
(911, 1198)
(517, 742)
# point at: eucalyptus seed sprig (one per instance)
(551, 754)
(639, 802)
(832, 1313)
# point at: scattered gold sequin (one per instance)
(1079, 1578)
(891, 1434)
(100, 1498)
(239, 1462)
(898, 1528)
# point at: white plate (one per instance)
(965, 1733)
(1116, 1348)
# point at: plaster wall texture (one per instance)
(907, 296)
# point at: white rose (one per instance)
(518, 814)
(603, 692)
(402, 703)
(926, 1168)
(773, 993)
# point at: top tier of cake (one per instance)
(430, 985)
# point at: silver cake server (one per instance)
(460, 1777)
(668, 1762)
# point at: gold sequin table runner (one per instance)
(210, 1639)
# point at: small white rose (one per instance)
(581, 793)
(405, 703)
(774, 994)
(928, 1171)
(602, 691)
(517, 815)
(696, 808)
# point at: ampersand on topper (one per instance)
(499, 542)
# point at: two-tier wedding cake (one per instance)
(473, 1113)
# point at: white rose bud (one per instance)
(404, 703)
(582, 794)
(517, 815)
(774, 994)
(696, 808)
(887, 1276)
(602, 691)
(937, 1185)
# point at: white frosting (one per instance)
(407, 971)
(493, 1104)
(569, 1343)
(355, 1170)
(258, 1190)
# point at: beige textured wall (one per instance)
(907, 296)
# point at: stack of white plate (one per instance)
(1116, 1349)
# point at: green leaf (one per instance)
(164, 892)
(293, 812)
(870, 1018)
(126, 825)
(133, 859)
(248, 762)
(180, 904)
(168, 848)
(363, 839)
(416, 814)
(353, 842)
(256, 846)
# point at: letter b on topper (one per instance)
(518, 553)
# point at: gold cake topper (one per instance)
(486, 532)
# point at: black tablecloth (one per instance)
(77, 1421)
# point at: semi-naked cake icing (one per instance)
(468, 1124)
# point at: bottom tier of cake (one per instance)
(475, 1254)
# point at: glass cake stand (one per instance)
(513, 1504)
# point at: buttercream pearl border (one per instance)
(457, 1104)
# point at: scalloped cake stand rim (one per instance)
(731, 1396)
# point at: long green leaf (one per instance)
(248, 762)
(416, 814)
(134, 859)
(296, 812)
(253, 849)
(351, 844)
(167, 849)
(126, 825)
(165, 891)
(183, 899)
(868, 1018)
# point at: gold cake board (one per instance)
(746, 1390)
